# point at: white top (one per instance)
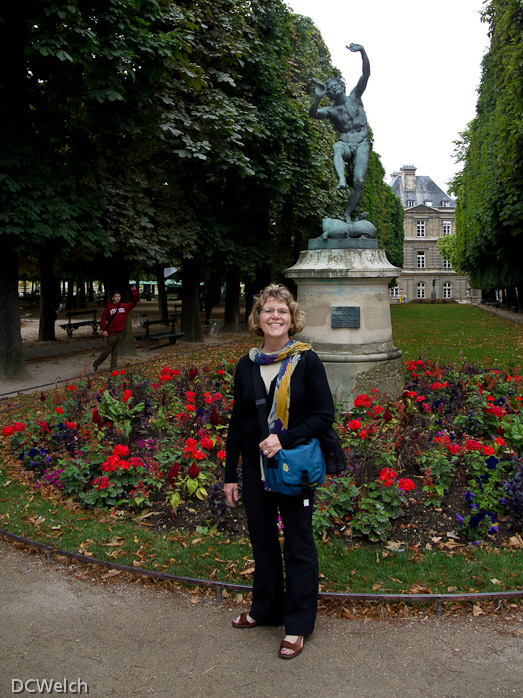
(268, 373)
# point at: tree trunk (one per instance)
(231, 321)
(69, 299)
(255, 286)
(512, 299)
(162, 293)
(520, 299)
(191, 323)
(48, 299)
(12, 364)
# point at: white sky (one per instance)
(425, 58)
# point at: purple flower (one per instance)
(493, 529)
(460, 519)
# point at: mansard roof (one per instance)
(426, 190)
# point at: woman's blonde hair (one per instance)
(280, 293)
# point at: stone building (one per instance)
(429, 215)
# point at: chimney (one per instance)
(408, 178)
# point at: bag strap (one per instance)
(111, 317)
(261, 402)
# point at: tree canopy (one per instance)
(489, 214)
(142, 133)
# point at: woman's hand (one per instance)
(231, 493)
(270, 446)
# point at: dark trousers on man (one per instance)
(293, 602)
(112, 347)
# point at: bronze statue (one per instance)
(348, 117)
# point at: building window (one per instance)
(445, 204)
(428, 203)
(420, 290)
(447, 264)
(447, 290)
(410, 203)
(394, 292)
(420, 229)
(447, 227)
(421, 260)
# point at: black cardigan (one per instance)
(311, 411)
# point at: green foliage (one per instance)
(489, 214)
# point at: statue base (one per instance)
(342, 244)
(344, 293)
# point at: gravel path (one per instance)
(126, 639)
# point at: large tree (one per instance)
(489, 214)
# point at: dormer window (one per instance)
(428, 203)
(410, 203)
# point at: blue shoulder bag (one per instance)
(292, 471)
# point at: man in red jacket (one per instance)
(112, 324)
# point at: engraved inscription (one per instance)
(345, 316)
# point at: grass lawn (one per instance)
(456, 332)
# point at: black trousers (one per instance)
(293, 600)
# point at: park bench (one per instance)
(70, 326)
(169, 333)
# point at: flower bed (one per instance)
(448, 448)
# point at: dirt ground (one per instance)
(129, 639)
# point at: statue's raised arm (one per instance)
(362, 82)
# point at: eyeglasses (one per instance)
(272, 311)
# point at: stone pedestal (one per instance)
(344, 292)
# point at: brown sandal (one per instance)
(243, 622)
(296, 647)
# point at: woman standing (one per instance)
(299, 406)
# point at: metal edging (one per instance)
(51, 550)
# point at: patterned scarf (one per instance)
(289, 356)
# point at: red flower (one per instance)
(221, 455)
(136, 462)
(406, 485)
(354, 424)
(102, 483)
(71, 388)
(207, 443)
(193, 471)
(193, 372)
(71, 425)
(97, 418)
(8, 431)
(214, 417)
(19, 426)
(388, 476)
(362, 401)
(173, 473)
(499, 441)
(488, 451)
(120, 450)
(387, 416)
(59, 410)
